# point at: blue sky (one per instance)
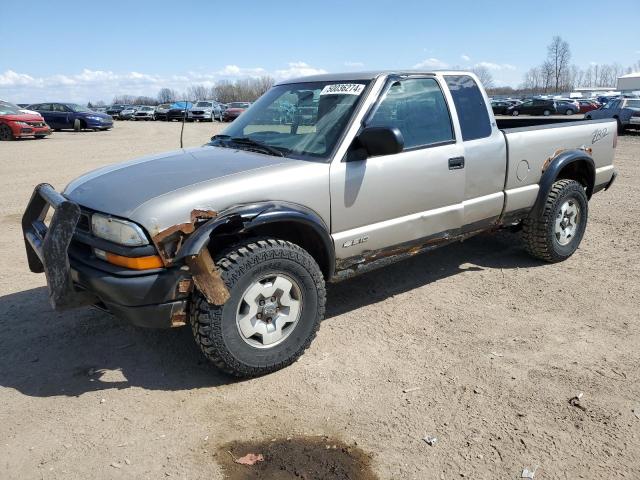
(87, 50)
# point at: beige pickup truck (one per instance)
(321, 178)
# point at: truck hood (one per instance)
(122, 188)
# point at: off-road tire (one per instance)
(538, 231)
(215, 329)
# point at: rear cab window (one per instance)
(471, 107)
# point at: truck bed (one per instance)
(529, 148)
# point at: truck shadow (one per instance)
(487, 251)
(45, 353)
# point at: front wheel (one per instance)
(77, 125)
(546, 113)
(555, 234)
(5, 133)
(515, 113)
(277, 302)
(569, 112)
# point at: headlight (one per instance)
(94, 118)
(22, 124)
(117, 231)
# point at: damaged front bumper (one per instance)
(150, 298)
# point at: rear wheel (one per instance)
(515, 113)
(546, 113)
(276, 305)
(569, 112)
(555, 233)
(5, 133)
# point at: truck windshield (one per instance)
(301, 120)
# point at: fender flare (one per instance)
(551, 173)
(244, 218)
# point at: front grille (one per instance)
(84, 223)
(197, 112)
(36, 124)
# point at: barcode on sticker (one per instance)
(343, 89)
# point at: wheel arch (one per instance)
(572, 165)
(284, 220)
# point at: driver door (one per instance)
(408, 197)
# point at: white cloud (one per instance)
(104, 85)
(298, 69)
(354, 64)
(431, 63)
(495, 66)
(464, 57)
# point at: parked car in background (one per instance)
(588, 105)
(533, 106)
(144, 113)
(625, 110)
(567, 107)
(234, 110)
(129, 112)
(16, 124)
(114, 110)
(72, 115)
(500, 107)
(179, 110)
(205, 110)
(161, 111)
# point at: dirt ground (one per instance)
(475, 344)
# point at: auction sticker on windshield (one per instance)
(343, 89)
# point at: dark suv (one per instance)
(534, 106)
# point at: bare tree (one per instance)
(167, 95)
(546, 75)
(243, 90)
(124, 99)
(559, 56)
(484, 75)
(198, 92)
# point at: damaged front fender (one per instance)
(206, 276)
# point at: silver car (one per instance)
(208, 110)
(238, 237)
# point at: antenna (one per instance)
(184, 116)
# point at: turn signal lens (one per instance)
(134, 263)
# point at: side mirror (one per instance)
(378, 141)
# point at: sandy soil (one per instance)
(475, 344)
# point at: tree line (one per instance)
(557, 74)
(225, 91)
(554, 75)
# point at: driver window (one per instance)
(418, 109)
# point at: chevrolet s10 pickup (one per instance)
(320, 179)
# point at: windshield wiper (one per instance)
(255, 143)
(249, 142)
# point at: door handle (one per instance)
(456, 163)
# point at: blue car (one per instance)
(71, 115)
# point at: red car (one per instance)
(588, 105)
(234, 110)
(16, 124)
